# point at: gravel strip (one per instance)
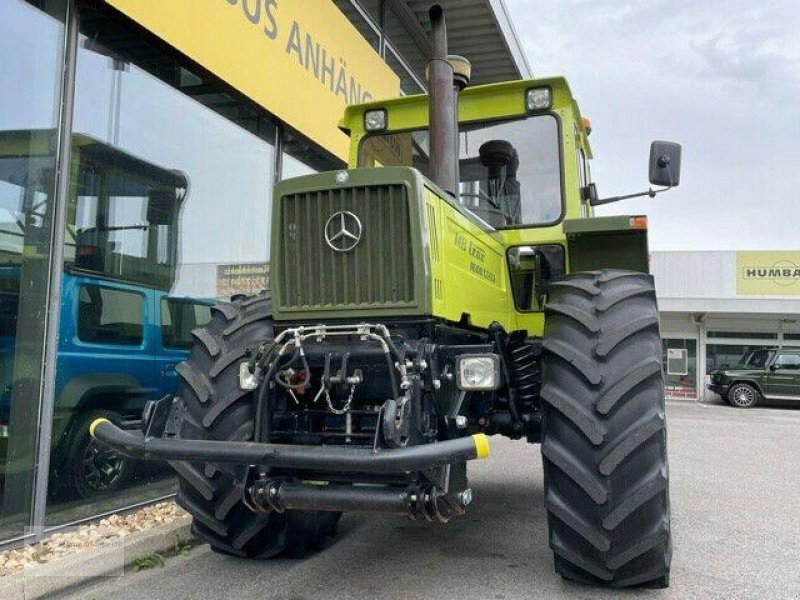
(104, 532)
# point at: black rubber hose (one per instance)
(321, 458)
(261, 398)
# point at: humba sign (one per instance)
(768, 273)
(301, 60)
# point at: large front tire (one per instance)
(217, 409)
(604, 442)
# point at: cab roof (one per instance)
(478, 103)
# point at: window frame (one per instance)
(559, 136)
(143, 314)
(781, 353)
(164, 302)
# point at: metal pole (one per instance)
(56, 267)
(277, 164)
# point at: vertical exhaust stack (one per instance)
(443, 86)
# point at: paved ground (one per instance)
(736, 523)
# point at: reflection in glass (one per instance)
(725, 356)
(680, 367)
(31, 63)
(167, 194)
(123, 215)
(179, 317)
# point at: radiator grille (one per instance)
(378, 272)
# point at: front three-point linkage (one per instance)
(283, 362)
(339, 378)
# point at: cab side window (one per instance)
(788, 362)
(530, 268)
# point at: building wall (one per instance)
(703, 309)
(709, 280)
(693, 274)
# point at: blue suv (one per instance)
(118, 348)
(120, 334)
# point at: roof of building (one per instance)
(481, 30)
(711, 282)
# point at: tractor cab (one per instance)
(520, 165)
(122, 211)
(523, 178)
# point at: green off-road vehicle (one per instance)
(450, 285)
(765, 374)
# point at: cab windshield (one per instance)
(510, 170)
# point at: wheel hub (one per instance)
(744, 396)
(102, 467)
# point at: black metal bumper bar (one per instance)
(321, 458)
(301, 496)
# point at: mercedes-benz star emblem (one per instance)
(343, 231)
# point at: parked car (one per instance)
(118, 348)
(770, 373)
(120, 334)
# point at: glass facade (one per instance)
(396, 34)
(723, 356)
(135, 193)
(165, 191)
(31, 60)
(156, 173)
(680, 367)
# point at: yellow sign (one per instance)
(302, 60)
(768, 273)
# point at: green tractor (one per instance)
(451, 284)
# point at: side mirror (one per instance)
(774, 367)
(665, 163)
(665, 170)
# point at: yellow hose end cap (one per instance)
(481, 444)
(95, 423)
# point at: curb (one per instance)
(111, 560)
(676, 400)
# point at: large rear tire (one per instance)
(217, 409)
(604, 442)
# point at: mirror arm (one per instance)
(651, 192)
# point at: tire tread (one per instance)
(604, 431)
(217, 409)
